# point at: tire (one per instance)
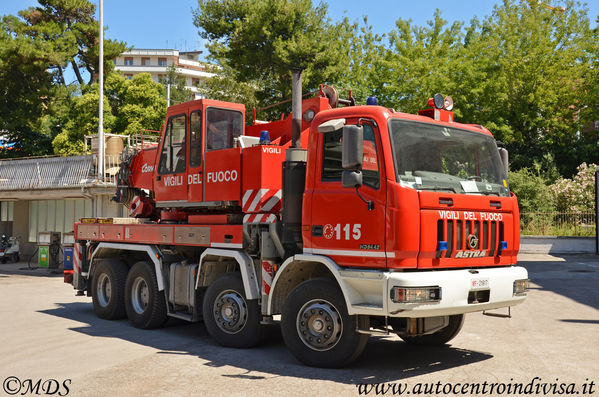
(440, 337)
(230, 318)
(321, 304)
(145, 305)
(108, 289)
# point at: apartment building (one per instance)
(157, 61)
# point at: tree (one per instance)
(35, 48)
(72, 24)
(260, 42)
(529, 79)
(82, 120)
(129, 106)
(26, 89)
(419, 62)
(178, 91)
(365, 60)
(141, 104)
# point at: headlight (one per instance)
(520, 287)
(415, 294)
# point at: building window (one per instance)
(56, 215)
(161, 61)
(6, 211)
(145, 61)
(128, 61)
(195, 82)
(128, 76)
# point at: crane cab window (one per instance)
(172, 157)
(195, 138)
(331, 157)
(222, 126)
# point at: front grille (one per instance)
(458, 235)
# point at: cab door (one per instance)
(195, 176)
(343, 227)
(170, 182)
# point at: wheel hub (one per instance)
(230, 311)
(140, 295)
(319, 325)
(104, 288)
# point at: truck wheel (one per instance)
(230, 318)
(316, 327)
(440, 337)
(108, 289)
(145, 305)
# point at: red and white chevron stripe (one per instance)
(134, 206)
(77, 257)
(267, 275)
(260, 218)
(261, 200)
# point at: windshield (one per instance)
(434, 157)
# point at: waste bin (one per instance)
(68, 242)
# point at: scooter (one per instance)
(9, 250)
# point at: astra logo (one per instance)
(221, 176)
(147, 168)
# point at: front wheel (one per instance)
(230, 319)
(317, 328)
(440, 337)
(146, 306)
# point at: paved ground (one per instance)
(48, 333)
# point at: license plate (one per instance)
(479, 283)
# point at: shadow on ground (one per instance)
(32, 270)
(385, 359)
(573, 276)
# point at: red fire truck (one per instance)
(337, 222)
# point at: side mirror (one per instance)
(352, 151)
(504, 156)
(352, 179)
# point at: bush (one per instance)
(576, 194)
(532, 190)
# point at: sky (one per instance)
(169, 24)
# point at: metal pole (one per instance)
(597, 212)
(101, 90)
(296, 109)
(168, 94)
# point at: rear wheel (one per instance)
(145, 305)
(108, 289)
(229, 318)
(440, 337)
(316, 327)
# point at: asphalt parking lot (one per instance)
(48, 333)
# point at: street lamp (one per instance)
(101, 103)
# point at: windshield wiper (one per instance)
(436, 188)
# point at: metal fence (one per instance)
(45, 172)
(558, 223)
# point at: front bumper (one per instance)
(370, 292)
(456, 285)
